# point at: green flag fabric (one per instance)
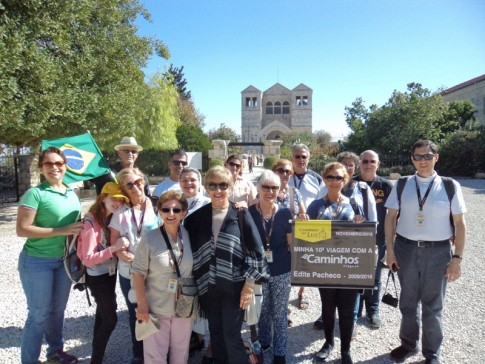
(84, 158)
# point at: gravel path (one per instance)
(464, 313)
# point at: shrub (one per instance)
(215, 162)
(269, 162)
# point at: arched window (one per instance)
(286, 107)
(269, 108)
(277, 107)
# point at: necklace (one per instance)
(267, 216)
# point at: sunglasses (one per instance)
(300, 156)
(178, 163)
(52, 164)
(221, 186)
(426, 157)
(139, 183)
(175, 210)
(334, 178)
(269, 188)
(366, 161)
(283, 171)
(130, 151)
(232, 164)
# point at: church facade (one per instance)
(271, 114)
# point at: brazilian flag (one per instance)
(84, 159)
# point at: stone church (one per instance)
(271, 114)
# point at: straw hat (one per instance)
(129, 143)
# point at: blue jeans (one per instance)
(125, 285)
(422, 279)
(47, 287)
(371, 298)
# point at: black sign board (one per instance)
(329, 253)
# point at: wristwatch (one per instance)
(456, 256)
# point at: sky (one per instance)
(342, 49)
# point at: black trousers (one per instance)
(225, 320)
(103, 290)
(342, 300)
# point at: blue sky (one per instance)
(341, 49)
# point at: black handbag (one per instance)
(388, 298)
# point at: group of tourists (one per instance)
(230, 240)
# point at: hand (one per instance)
(358, 219)
(246, 296)
(453, 272)
(142, 312)
(241, 204)
(72, 229)
(120, 244)
(125, 256)
(391, 261)
(302, 217)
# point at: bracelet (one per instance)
(456, 256)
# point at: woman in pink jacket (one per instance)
(98, 256)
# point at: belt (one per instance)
(423, 243)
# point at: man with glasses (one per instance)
(420, 247)
(176, 163)
(381, 188)
(128, 151)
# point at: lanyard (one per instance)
(174, 262)
(138, 228)
(193, 203)
(334, 213)
(423, 200)
(300, 179)
(267, 234)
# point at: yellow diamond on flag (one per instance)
(77, 159)
(314, 230)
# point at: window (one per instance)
(305, 100)
(248, 101)
(269, 108)
(255, 101)
(298, 100)
(301, 100)
(277, 107)
(286, 108)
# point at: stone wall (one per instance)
(28, 172)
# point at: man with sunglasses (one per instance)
(128, 151)
(381, 188)
(176, 163)
(420, 247)
(308, 182)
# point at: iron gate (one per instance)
(9, 186)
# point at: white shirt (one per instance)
(166, 185)
(436, 209)
(309, 186)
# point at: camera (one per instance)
(388, 299)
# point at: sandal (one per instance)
(302, 305)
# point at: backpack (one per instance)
(363, 190)
(75, 269)
(449, 187)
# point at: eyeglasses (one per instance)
(175, 210)
(426, 157)
(367, 161)
(214, 186)
(138, 183)
(177, 163)
(269, 188)
(130, 151)
(232, 164)
(52, 164)
(349, 166)
(283, 171)
(334, 178)
(300, 156)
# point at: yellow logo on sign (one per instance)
(313, 231)
(77, 159)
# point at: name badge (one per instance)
(172, 285)
(112, 267)
(269, 256)
(420, 220)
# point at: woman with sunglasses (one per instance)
(243, 193)
(335, 206)
(273, 223)
(131, 222)
(227, 263)
(46, 214)
(98, 255)
(154, 269)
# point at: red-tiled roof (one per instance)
(464, 84)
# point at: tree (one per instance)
(224, 133)
(71, 66)
(192, 138)
(180, 82)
